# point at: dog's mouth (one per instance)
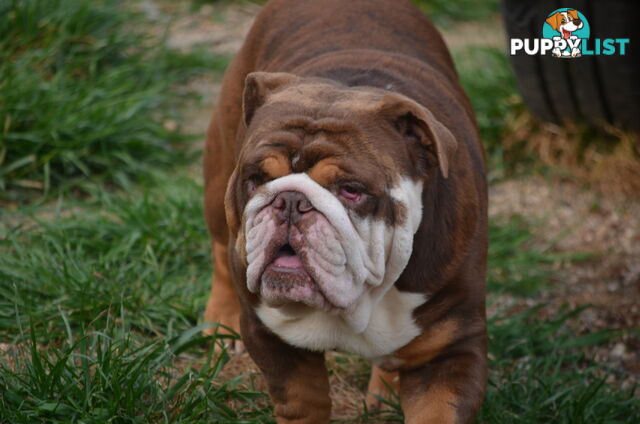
(287, 259)
(566, 34)
(286, 280)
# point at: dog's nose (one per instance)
(291, 205)
(577, 22)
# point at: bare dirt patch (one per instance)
(486, 33)
(571, 219)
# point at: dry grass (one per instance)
(606, 159)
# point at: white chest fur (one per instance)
(391, 326)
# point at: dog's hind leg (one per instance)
(223, 306)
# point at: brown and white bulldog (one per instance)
(346, 198)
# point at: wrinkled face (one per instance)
(323, 246)
(327, 198)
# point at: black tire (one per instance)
(596, 89)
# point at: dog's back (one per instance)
(292, 32)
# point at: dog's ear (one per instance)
(232, 200)
(417, 124)
(231, 203)
(257, 87)
(554, 21)
(573, 13)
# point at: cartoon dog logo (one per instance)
(566, 34)
(566, 23)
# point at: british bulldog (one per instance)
(347, 203)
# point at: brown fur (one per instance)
(276, 166)
(324, 172)
(435, 406)
(426, 346)
(297, 379)
(223, 306)
(363, 89)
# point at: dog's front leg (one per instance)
(449, 387)
(297, 378)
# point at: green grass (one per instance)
(100, 376)
(144, 254)
(488, 80)
(83, 95)
(540, 374)
(101, 295)
(486, 76)
(520, 265)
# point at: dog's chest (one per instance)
(391, 326)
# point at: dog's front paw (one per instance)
(576, 52)
(226, 312)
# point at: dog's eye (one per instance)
(564, 21)
(251, 186)
(351, 193)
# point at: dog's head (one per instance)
(327, 192)
(565, 22)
